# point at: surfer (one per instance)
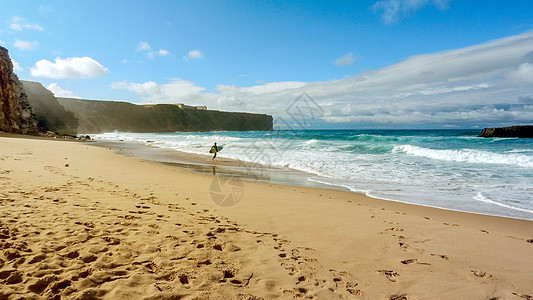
(214, 149)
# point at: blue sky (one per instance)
(387, 63)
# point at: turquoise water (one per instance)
(450, 169)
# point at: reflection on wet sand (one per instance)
(222, 167)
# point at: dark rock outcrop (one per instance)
(525, 131)
(16, 115)
(106, 116)
(50, 115)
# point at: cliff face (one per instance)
(106, 116)
(49, 113)
(70, 116)
(16, 115)
(525, 131)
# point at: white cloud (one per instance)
(176, 91)
(16, 66)
(523, 74)
(143, 46)
(59, 92)
(72, 67)
(143, 89)
(456, 87)
(19, 24)
(195, 54)
(45, 9)
(180, 89)
(146, 48)
(267, 88)
(346, 60)
(35, 27)
(15, 26)
(2, 42)
(393, 10)
(24, 45)
(163, 52)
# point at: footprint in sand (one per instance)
(14, 277)
(398, 297)
(41, 284)
(390, 274)
(414, 260)
(523, 296)
(451, 224)
(403, 245)
(111, 240)
(409, 261)
(445, 257)
(340, 278)
(481, 274)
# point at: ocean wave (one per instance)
(373, 138)
(520, 151)
(482, 198)
(366, 149)
(440, 171)
(467, 155)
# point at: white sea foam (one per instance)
(439, 171)
(482, 198)
(468, 155)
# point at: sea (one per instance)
(449, 169)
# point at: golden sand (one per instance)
(79, 222)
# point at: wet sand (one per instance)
(221, 166)
(80, 222)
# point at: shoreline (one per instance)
(253, 172)
(103, 225)
(227, 167)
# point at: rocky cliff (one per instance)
(16, 115)
(525, 131)
(49, 113)
(106, 116)
(19, 100)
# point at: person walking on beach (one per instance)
(214, 149)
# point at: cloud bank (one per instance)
(490, 83)
(72, 67)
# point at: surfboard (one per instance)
(213, 149)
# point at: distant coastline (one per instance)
(71, 116)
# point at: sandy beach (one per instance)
(80, 222)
